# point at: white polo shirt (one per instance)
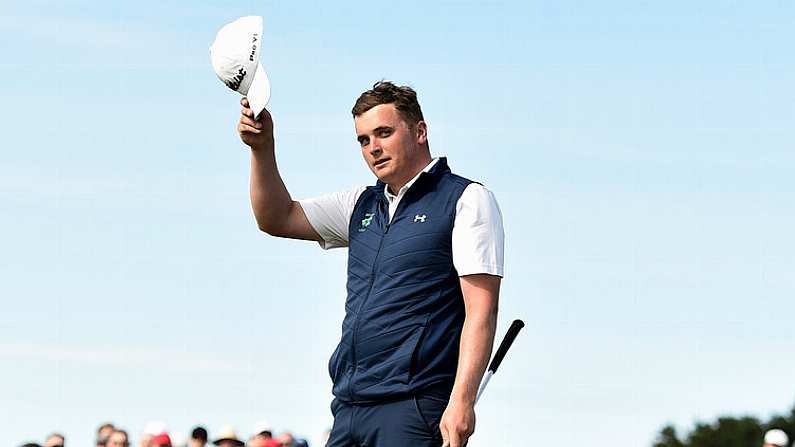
(478, 236)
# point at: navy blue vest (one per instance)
(405, 310)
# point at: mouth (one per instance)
(380, 163)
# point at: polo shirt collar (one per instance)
(391, 197)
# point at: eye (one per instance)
(363, 141)
(384, 133)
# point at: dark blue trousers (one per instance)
(410, 422)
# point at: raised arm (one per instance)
(275, 211)
(481, 295)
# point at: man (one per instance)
(286, 439)
(151, 429)
(161, 440)
(425, 263)
(118, 438)
(55, 440)
(103, 432)
(263, 436)
(228, 438)
(198, 437)
(259, 440)
(776, 438)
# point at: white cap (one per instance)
(776, 437)
(178, 439)
(235, 56)
(154, 428)
(262, 426)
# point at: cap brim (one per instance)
(259, 92)
(235, 441)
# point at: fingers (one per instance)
(245, 128)
(455, 439)
(451, 437)
(250, 125)
(247, 118)
(246, 110)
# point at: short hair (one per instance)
(104, 426)
(126, 436)
(56, 435)
(385, 92)
(199, 433)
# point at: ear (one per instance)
(421, 130)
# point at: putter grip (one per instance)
(510, 336)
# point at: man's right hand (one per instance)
(256, 133)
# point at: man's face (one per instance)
(104, 432)
(145, 440)
(117, 439)
(392, 149)
(286, 440)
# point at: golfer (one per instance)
(425, 261)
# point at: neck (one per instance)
(394, 187)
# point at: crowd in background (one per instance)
(155, 434)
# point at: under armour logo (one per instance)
(418, 218)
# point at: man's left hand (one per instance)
(457, 424)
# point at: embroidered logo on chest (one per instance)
(420, 218)
(368, 219)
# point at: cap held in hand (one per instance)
(235, 56)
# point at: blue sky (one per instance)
(641, 153)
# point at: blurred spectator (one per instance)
(263, 429)
(118, 438)
(161, 440)
(263, 436)
(286, 439)
(198, 437)
(151, 429)
(776, 438)
(30, 444)
(260, 440)
(178, 439)
(103, 432)
(228, 438)
(55, 440)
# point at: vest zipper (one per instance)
(364, 301)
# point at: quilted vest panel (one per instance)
(404, 311)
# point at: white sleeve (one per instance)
(330, 215)
(478, 236)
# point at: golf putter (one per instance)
(506, 343)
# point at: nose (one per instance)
(375, 148)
